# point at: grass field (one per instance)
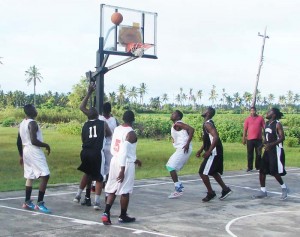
(65, 149)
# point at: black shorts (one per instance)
(91, 163)
(273, 162)
(212, 165)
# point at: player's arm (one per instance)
(33, 129)
(212, 131)
(85, 100)
(107, 131)
(280, 139)
(20, 148)
(200, 151)
(190, 130)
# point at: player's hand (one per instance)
(48, 149)
(138, 163)
(186, 148)
(120, 177)
(206, 154)
(92, 87)
(198, 154)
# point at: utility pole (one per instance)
(259, 66)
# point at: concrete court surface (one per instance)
(238, 215)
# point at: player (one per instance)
(273, 160)
(213, 157)
(182, 135)
(122, 168)
(92, 136)
(112, 124)
(33, 158)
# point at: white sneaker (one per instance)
(175, 195)
(77, 199)
(284, 194)
(97, 206)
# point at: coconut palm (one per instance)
(165, 98)
(142, 91)
(132, 93)
(33, 75)
(213, 95)
(199, 95)
(122, 92)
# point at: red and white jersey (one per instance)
(121, 149)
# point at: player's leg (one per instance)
(226, 191)
(110, 198)
(28, 204)
(87, 199)
(81, 187)
(124, 201)
(42, 189)
(258, 150)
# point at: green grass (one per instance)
(65, 149)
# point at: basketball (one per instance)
(116, 18)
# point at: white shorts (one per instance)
(106, 162)
(35, 164)
(113, 186)
(179, 158)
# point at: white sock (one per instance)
(283, 186)
(97, 198)
(177, 184)
(263, 189)
(79, 192)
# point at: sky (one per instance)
(200, 44)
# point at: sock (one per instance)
(107, 208)
(97, 198)
(41, 196)
(88, 193)
(28, 191)
(263, 189)
(177, 184)
(283, 185)
(123, 212)
(79, 192)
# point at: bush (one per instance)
(291, 141)
(72, 128)
(8, 122)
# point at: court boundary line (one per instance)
(86, 222)
(227, 227)
(163, 183)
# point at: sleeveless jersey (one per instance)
(271, 132)
(208, 138)
(180, 138)
(92, 134)
(118, 145)
(112, 124)
(25, 133)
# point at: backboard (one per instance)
(137, 27)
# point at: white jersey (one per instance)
(121, 149)
(124, 154)
(180, 138)
(112, 124)
(34, 160)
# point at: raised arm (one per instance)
(83, 105)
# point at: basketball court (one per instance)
(237, 215)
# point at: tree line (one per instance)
(133, 97)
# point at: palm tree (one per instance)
(142, 92)
(290, 97)
(165, 98)
(178, 98)
(296, 98)
(271, 98)
(199, 95)
(213, 95)
(247, 96)
(132, 93)
(122, 92)
(112, 97)
(282, 100)
(33, 74)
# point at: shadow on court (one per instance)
(237, 215)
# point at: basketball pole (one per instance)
(259, 66)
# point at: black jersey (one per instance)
(92, 134)
(271, 132)
(207, 139)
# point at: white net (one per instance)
(138, 52)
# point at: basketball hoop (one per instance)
(137, 49)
